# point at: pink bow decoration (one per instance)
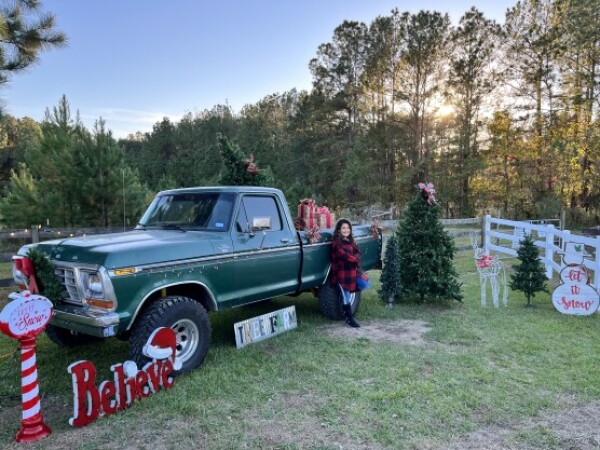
(485, 261)
(429, 191)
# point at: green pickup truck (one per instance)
(195, 250)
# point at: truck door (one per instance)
(266, 252)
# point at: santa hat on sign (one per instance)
(162, 344)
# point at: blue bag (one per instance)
(362, 282)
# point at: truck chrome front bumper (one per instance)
(94, 323)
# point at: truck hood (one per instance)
(137, 247)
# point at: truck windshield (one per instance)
(190, 211)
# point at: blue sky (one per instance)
(134, 62)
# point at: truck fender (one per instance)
(211, 298)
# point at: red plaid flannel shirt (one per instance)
(345, 258)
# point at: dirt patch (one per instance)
(281, 429)
(408, 332)
(575, 428)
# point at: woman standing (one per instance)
(345, 259)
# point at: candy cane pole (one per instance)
(24, 318)
(32, 424)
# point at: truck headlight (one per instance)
(96, 292)
(20, 278)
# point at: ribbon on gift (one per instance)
(307, 210)
(313, 235)
(485, 261)
(324, 217)
(429, 192)
(26, 267)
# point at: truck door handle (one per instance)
(285, 240)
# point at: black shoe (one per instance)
(350, 317)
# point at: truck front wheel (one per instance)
(187, 318)
(329, 302)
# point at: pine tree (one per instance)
(239, 170)
(529, 276)
(426, 253)
(390, 275)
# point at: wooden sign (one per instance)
(263, 327)
(574, 296)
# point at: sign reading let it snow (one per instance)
(574, 296)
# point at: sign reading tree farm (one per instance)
(262, 327)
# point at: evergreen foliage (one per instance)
(24, 33)
(426, 254)
(73, 177)
(391, 274)
(373, 123)
(239, 170)
(529, 276)
(44, 273)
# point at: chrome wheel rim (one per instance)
(187, 335)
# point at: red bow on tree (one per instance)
(429, 191)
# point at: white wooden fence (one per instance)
(550, 240)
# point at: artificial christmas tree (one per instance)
(238, 170)
(426, 251)
(390, 275)
(529, 276)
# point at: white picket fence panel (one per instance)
(551, 245)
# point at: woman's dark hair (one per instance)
(337, 234)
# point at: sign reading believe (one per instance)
(129, 383)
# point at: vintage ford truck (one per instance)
(194, 250)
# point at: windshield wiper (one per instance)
(140, 226)
(172, 226)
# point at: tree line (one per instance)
(500, 117)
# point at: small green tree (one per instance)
(390, 275)
(426, 251)
(529, 276)
(239, 170)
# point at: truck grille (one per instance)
(66, 278)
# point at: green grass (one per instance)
(306, 389)
(5, 270)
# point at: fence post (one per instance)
(35, 234)
(485, 231)
(549, 250)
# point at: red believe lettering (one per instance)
(111, 396)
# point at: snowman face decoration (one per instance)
(574, 254)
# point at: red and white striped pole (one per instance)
(24, 318)
(32, 424)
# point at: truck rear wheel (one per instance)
(329, 302)
(187, 318)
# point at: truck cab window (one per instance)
(260, 212)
